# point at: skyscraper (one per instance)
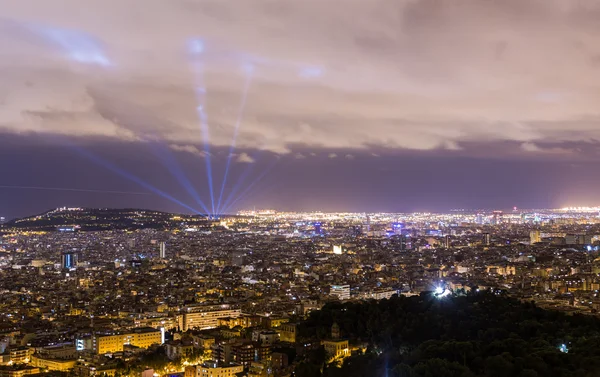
(68, 260)
(487, 239)
(162, 252)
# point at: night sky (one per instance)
(379, 105)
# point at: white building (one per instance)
(342, 292)
(214, 369)
(206, 317)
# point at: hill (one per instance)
(483, 334)
(69, 219)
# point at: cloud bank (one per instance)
(331, 74)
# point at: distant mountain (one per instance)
(73, 219)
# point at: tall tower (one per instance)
(162, 252)
(68, 260)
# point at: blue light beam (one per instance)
(227, 206)
(239, 182)
(169, 161)
(249, 70)
(196, 49)
(92, 157)
(79, 46)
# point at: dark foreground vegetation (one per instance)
(483, 334)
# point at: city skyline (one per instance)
(299, 188)
(421, 105)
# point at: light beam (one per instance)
(249, 69)
(92, 157)
(173, 167)
(228, 206)
(79, 46)
(196, 49)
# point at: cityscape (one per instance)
(99, 292)
(300, 188)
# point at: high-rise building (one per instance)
(341, 291)
(162, 252)
(479, 219)
(535, 236)
(68, 260)
(447, 242)
(487, 239)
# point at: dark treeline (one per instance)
(484, 334)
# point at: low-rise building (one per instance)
(215, 369)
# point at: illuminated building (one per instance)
(20, 355)
(487, 240)
(241, 352)
(61, 365)
(214, 369)
(380, 294)
(68, 260)
(258, 369)
(287, 332)
(535, 236)
(342, 292)
(19, 371)
(266, 337)
(497, 217)
(110, 343)
(162, 252)
(206, 317)
(274, 321)
(336, 349)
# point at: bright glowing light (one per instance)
(441, 292)
(563, 348)
(196, 46)
(311, 72)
